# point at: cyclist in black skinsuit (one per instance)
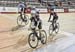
(55, 18)
(35, 20)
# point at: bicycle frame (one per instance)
(36, 34)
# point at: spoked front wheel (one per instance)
(43, 37)
(33, 40)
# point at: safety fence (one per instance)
(13, 10)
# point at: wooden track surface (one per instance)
(17, 40)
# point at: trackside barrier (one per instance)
(13, 10)
(66, 10)
(59, 10)
(8, 10)
(71, 10)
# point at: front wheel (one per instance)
(33, 40)
(43, 37)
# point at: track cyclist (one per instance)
(35, 20)
(54, 20)
(21, 9)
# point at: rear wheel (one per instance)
(57, 28)
(43, 37)
(50, 29)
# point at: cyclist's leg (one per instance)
(24, 9)
(34, 29)
(40, 27)
(25, 17)
(56, 21)
(53, 25)
(21, 14)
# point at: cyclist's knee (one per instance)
(40, 25)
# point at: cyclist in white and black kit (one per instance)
(35, 19)
(55, 18)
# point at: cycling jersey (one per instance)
(35, 18)
(54, 16)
